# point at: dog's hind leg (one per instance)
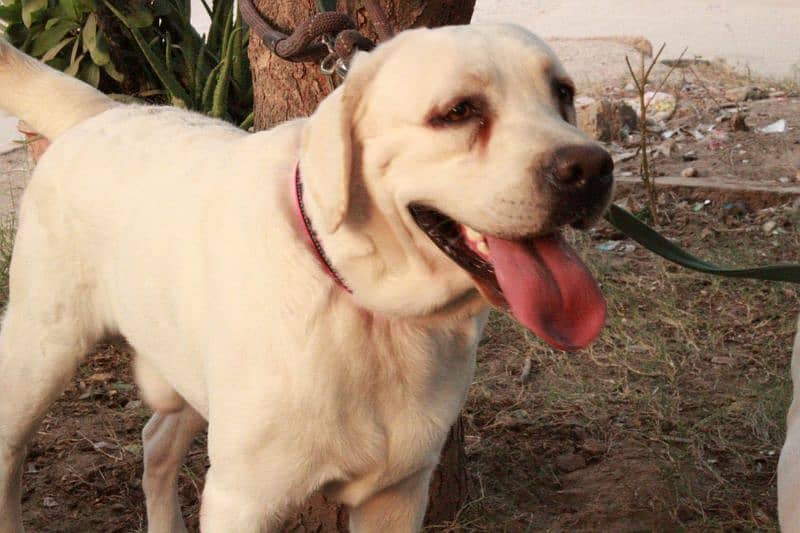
(45, 333)
(36, 362)
(166, 438)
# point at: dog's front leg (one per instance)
(166, 439)
(399, 508)
(789, 463)
(249, 489)
(245, 494)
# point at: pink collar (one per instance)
(311, 235)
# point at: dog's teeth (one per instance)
(472, 235)
(482, 247)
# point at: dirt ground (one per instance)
(672, 421)
(701, 135)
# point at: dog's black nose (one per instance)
(581, 179)
(578, 165)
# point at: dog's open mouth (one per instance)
(540, 280)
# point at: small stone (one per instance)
(769, 226)
(101, 377)
(736, 208)
(605, 120)
(689, 172)
(784, 179)
(570, 462)
(691, 155)
(133, 404)
(743, 94)
(739, 122)
(594, 447)
(49, 501)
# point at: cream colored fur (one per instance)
(179, 233)
(789, 463)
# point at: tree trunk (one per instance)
(285, 90)
(124, 50)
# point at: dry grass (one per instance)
(675, 417)
(678, 410)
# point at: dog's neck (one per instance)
(389, 270)
(310, 234)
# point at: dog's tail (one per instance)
(50, 101)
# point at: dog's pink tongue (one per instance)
(549, 289)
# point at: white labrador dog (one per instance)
(315, 292)
(789, 463)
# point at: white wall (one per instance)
(200, 18)
(762, 35)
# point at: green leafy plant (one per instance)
(162, 58)
(208, 73)
(62, 33)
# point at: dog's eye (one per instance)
(565, 93)
(460, 112)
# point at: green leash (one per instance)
(657, 243)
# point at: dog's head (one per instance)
(446, 163)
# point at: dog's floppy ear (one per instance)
(327, 157)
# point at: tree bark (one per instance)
(124, 50)
(285, 90)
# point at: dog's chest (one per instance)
(412, 385)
